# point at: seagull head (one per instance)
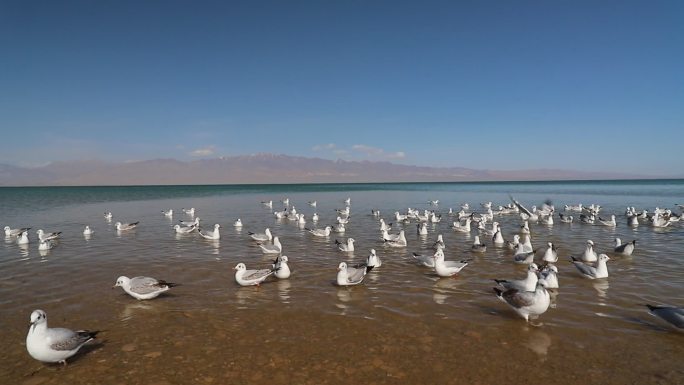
(121, 281)
(240, 266)
(38, 317)
(342, 266)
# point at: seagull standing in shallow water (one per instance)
(591, 272)
(53, 344)
(624, 248)
(281, 268)
(526, 303)
(447, 268)
(349, 276)
(213, 235)
(246, 277)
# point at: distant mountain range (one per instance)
(264, 168)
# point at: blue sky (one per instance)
(480, 84)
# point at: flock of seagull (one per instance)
(528, 297)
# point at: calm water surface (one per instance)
(402, 325)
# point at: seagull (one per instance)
(125, 226)
(237, 223)
(275, 248)
(314, 217)
(143, 287)
(498, 239)
(447, 268)
(525, 213)
(10, 232)
(54, 344)
(512, 245)
(213, 235)
(527, 243)
(87, 231)
(46, 244)
(43, 236)
(108, 215)
(390, 237)
(195, 222)
(589, 253)
(523, 257)
(246, 277)
(168, 213)
(633, 220)
(527, 284)
(551, 254)
(573, 208)
(339, 228)
(591, 272)
(384, 226)
(526, 303)
(261, 237)
(671, 314)
(347, 246)
(565, 218)
(608, 222)
(324, 232)
(375, 213)
(268, 204)
(184, 230)
(347, 201)
(400, 241)
(624, 248)
(422, 229)
(23, 238)
(190, 211)
(373, 260)
(478, 247)
(286, 201)
(348, 276)
(439, 243)
(281, 268)
(549, 275)
(312, 203)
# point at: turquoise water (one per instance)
(402, 311)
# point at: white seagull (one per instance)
(324, 232)
(246, 277)
(447, 268)
(422, 229)
(591, 272)
(275, 248)
(608, 222)
(312, 203)
(142, 288)
(565, 218)
(347, 246)
(549, 275)
(439, 243)
(46, 244)
(624, 248)
(108, 215)
(53, 344)
(190, 211)
(10, 232)
(261, 237)
(478, 247)
(526, 303)
(523, 257)
(88, 231)
(184, 230)
(43, 236)
(268, 204)
(237, 223)
(125, 226)
(589, 254)
(348, 276)
(23, 238)
(281, 268)
(373, 260)
(551, 254)
(168, 213)
(213, 235)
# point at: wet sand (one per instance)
(402, 325)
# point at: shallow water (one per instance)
(402, 325)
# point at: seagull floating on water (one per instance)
(10, 232)
(246, 277)
(312, 203)
(565, 218)
(142, 288)
(608, 222)
(549, 276)
(670, 314)
(168, 213)
(54, 344)
(281, 268)
(589, 254)
(346, 246)
(190, 211)
(126, 226)
(184, 230)
(324, 232)
(373, 260)
(551, 254)
(275, 248)
(422, 229)
(349, 276)
(624, 248)
(447, 268)
(108, 215)
(46, 244)
(23, 238)
(87, 231)
(261, 237)
(43, 236)
(213, 235)
(478, 247)
(237, 223)
(523, 257)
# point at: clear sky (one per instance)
(585, 85)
